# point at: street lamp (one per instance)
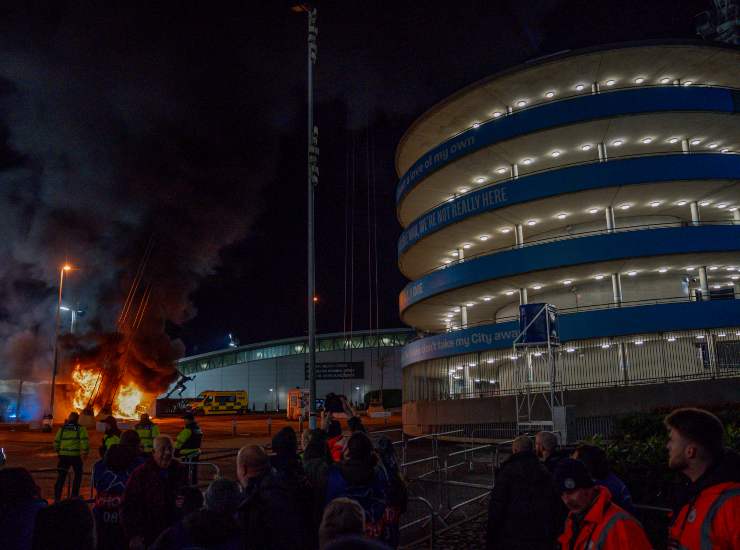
(49, 418)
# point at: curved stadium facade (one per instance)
(605, 182)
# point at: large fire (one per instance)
(128, 402)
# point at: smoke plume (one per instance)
(114, 137)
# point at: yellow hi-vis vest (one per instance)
(71, 440)
(147, 433)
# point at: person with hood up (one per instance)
(213, 528)
(361, 477)
(524, 509)
(110, 476)
(112, 435)
(707, 515)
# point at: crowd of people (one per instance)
(545, 497)
(342, 491)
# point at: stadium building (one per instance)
(349, 364)
(602, 181)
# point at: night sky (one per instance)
(209, 109)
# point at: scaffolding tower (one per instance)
(538, 336)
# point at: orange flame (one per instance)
(86, 381)
(129, 401)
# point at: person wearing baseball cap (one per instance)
(594, 521)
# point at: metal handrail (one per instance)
(590, 307)
(432, 435)
(385, 431)
(583, 93)
(465, 451)
(579, 235)
(558, 167)
(419, 461)
(465, 503)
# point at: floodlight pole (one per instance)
(313, 178)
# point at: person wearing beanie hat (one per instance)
(594, 521)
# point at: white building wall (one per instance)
(282, 374)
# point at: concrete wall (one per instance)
(421, 416)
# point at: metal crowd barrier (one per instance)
(430, 519)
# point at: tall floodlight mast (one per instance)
(313, 180)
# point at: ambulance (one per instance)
(221, 402)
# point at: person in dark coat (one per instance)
(546, 448)
(597, 465)
(275, 511)
(20, 502)
(110, 476)
(213, 528)
(149, 500)
(524, 507)
(65, 525)
(316, 462)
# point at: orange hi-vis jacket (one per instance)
(605, 526)
(711, 521)
(708, 515)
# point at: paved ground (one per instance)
(470, 535)
(34, 449)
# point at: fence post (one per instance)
(447, 487)
(432, 532)
(403, 451)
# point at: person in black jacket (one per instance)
(524, 508)
(546, 447)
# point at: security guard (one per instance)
(187, 445)
(147, 431)
(594, 521)
(708, 514)
(72, 445)
(112, 435)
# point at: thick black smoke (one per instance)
(116, 134)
